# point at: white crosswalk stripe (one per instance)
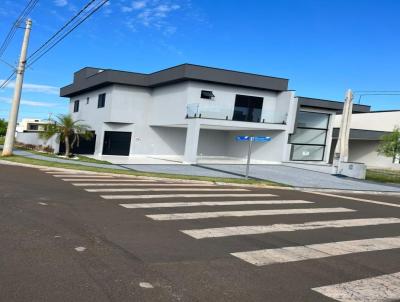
(317, 251)
(382, 288)
(142, 185)
(166, 189)
(265, 229)
(204, 215)
(82, 176)
(109, 180)
(181, 195)
(209, 203)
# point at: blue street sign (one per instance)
(242, 138)
(259, 139)
(262, 139)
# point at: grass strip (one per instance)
(384, 175)
(38, 162)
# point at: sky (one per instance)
(323, 47)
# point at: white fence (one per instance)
(32, 138)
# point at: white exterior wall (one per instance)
(365, 152)
(32, 138)
(377, 121)
(157, 119)
(224, 102)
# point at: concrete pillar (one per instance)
(192, 141)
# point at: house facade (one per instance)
(193, 113)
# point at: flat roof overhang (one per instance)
(360, 134)
(228, 125)
(330, 105)
(90, 78)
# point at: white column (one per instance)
(192, 141)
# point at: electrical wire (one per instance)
(60, 35)
(56, 38)
(25, 12)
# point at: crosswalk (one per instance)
(148, 195)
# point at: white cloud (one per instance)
(139, 4)
(61, 3)
(29, 103)
(46, 89)
(135, 5)
(151, 13)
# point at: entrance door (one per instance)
(116, 143)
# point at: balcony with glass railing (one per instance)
(205, 111)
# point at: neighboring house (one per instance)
(28, 131)
(194, 113)
(365, 134)
(32, 125)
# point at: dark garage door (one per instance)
(86, 146)
(116, 143)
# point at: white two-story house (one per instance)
(193, 113)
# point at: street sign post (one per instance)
(251, 139)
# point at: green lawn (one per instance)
(25, 160)
(81, 157)
(384, 175)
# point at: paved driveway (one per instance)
(279, 173)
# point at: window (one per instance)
(87, 100)
(33, 127)
(76, 106)
(206, 94)
(309, 139)
(248, 108)
(101, 102)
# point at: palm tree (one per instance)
(66, 128)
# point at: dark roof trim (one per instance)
(90, 78)
(361, 134)
(330, 105)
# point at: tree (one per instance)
(390, 144)
(67, 130)
(3, 127)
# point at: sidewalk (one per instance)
(293, 176)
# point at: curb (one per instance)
(260, 186)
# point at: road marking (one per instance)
(203, 215)
(109, 180)
(182, 195)
(165, 189)
(74, 173)
(82, 176)
(142, 185)
(209, 203)
(264, 229)
(146, 285)
(80, 249)
(43, 203)
(317, 251)
(383, 288)
(357, 199)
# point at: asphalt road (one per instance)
(59, 242)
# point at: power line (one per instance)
(64, 32)
(60, 35)
(25, 12)
(61, 29)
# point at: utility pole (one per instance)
(12, 121)
(342, 146)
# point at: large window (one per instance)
(76, 106)
(101, 102)
(309, 139)
(247, 108)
